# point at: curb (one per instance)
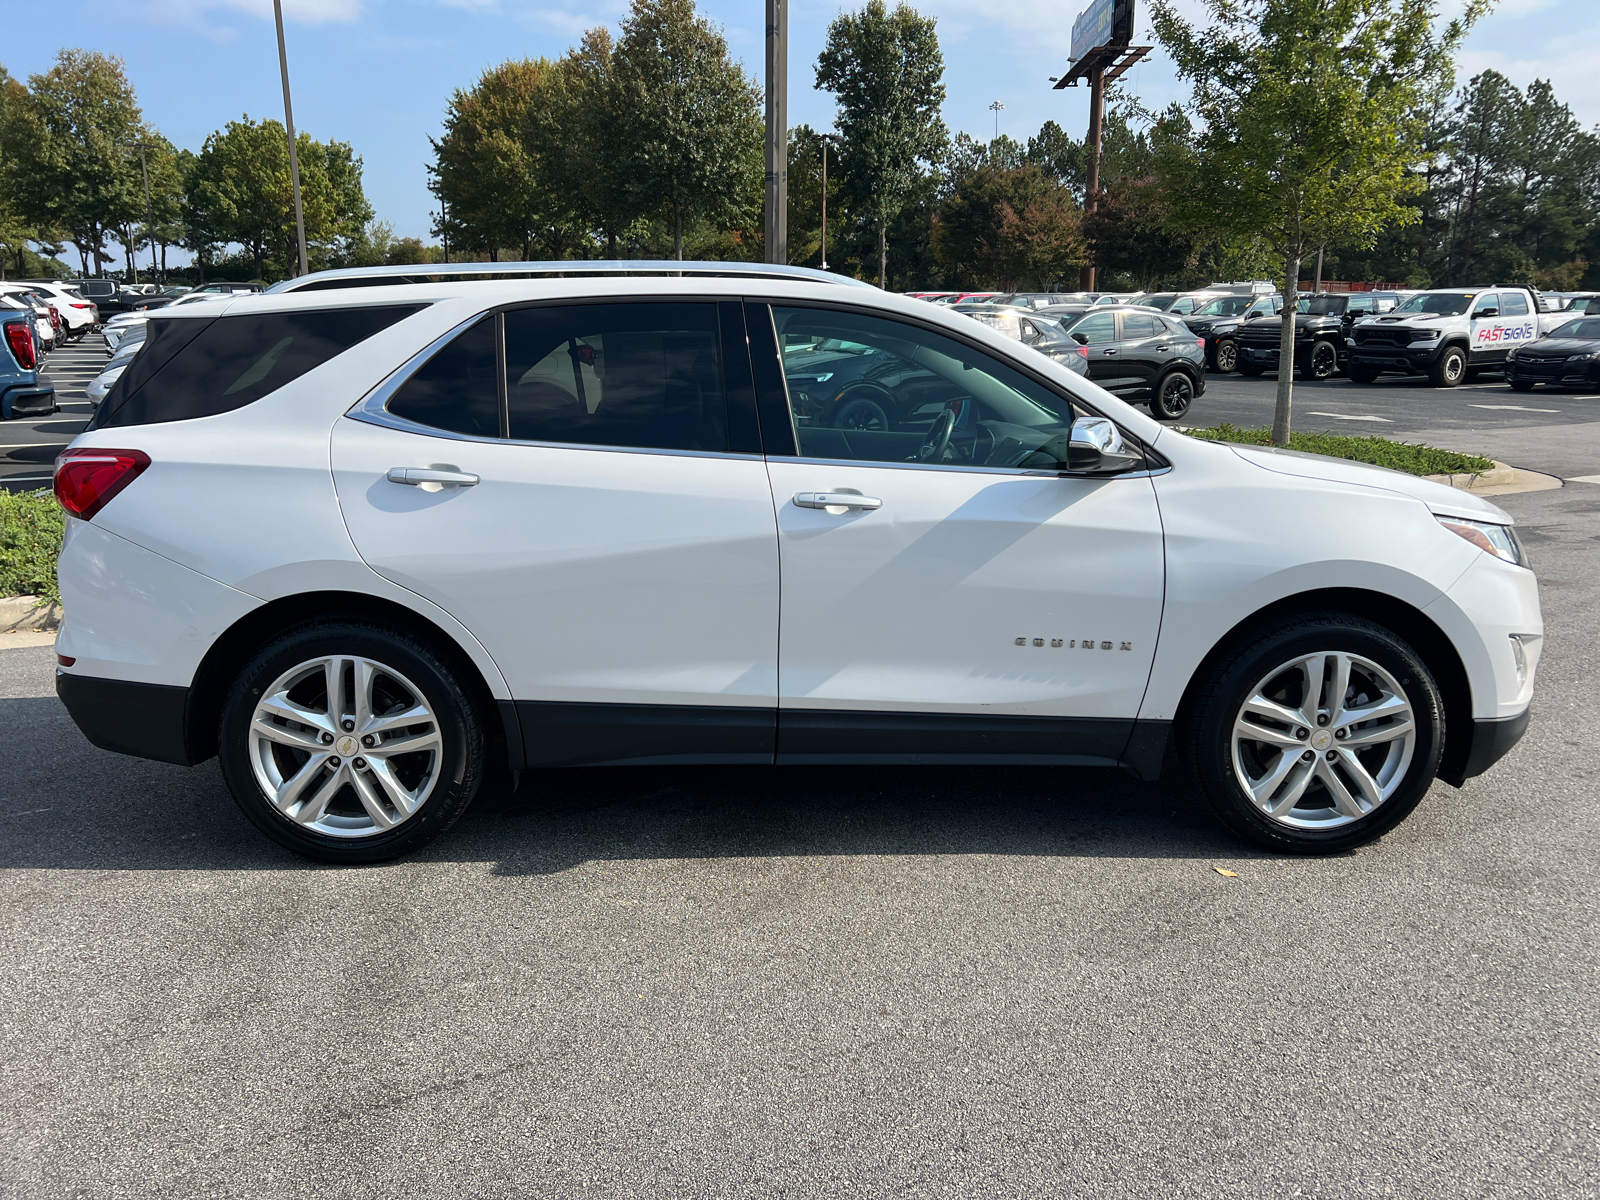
(20, 614)
(1501, 480)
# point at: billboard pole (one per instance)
(1091, 181)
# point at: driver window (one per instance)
(864, 388)
(1486, 306)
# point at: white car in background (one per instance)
(355, 540)
(43, 327)
(78, 314)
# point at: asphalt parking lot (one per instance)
(28, 446)
(811, 983)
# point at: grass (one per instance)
(1380, 452)
(31, 525)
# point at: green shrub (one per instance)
(31, 525)
(1380, 452)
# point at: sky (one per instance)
(378, 73)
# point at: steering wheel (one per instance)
(938, 440)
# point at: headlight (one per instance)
(1581, 358)
(1498, 540)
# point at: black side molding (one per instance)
(1492, 739)
(821, 736)
(145, 720)
(556, 734)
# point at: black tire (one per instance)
(1226, 358)
(443, 687)
(1522, 385)
(1361, 374)
(1449, 369)
(1323, 361)
(1205, 738)
(1174, 393)
(862, 412)
(1251, 370)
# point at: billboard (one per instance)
(1103, 23)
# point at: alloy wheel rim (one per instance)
(1323, 361)
(345, 746)
(1226, 356)
(1175, 396)
(1323, 740)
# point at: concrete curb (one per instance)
(1501, 480)
(28, 613)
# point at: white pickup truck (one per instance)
(1448, 334)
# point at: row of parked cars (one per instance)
(1448, 335)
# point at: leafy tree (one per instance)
(688, 127)
(66, 150)
(1009, 229)
(240, 191)
(1062, 157)
(887, 72)
(1314, 114)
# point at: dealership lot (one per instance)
(824, 982)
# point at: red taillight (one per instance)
(1201, 342)
(87, 479)
(75, 304)
(1083, 352)
(20, 340)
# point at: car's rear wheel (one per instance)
(1315, 735)
(1173, 395)
(1324, 360)
(351, 743)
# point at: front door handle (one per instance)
(438, 477)
(836, 500)
(1108, 353)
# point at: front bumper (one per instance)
(146, 720)
(1583, 375)
(1413, 359)
(1492, 739)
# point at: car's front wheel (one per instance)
(1315, 735)
(350, 742)
(1227, 355)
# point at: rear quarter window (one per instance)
(199, 368)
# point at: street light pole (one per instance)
(996, 108)
(294, 153)
(826, 138)
(149, 213)
(777, 223)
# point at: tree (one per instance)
(688, 124)
(67, 150)
(1009, 229)
(240, 191)
(1314, 117)
(887, 73)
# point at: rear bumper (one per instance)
(27, 401)
(1492, 739)
(146, 720)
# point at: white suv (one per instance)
(357, 541)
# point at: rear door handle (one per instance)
(438, 476)
(836, 500)
(1108, 353)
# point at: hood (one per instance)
(1554, 347)
(1440, 498)
(1418, 318)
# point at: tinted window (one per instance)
(646, 375)
(1485, 305)
(1182, 306)
(865, 388)
(216, 366)
(1577, 329)
(1136, 326)
(1513, 304)
(1095, 328)
(458, 388)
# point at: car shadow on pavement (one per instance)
(66, 805)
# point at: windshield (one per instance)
(1224, 306)
(1578, 329)
(1443, 304)
(1162, 301)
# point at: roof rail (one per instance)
(353, 277)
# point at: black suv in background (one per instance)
(1322, 327)
(1216, 320)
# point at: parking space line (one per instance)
(1345, 417)
(1583, 478)
(1513, 408)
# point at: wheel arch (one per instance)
(1438, 653)
(235, 646)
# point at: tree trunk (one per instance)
(883, 254)
(611, 244)
(677, 231)
(1280, 414)
(261, 264)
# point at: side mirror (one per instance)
(1485, 314)
(1096, 447)
(1081, 338)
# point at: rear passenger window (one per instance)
(458, 388)
(208, 367)
(1136, 326)
(1513, 304)
(646, 375)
